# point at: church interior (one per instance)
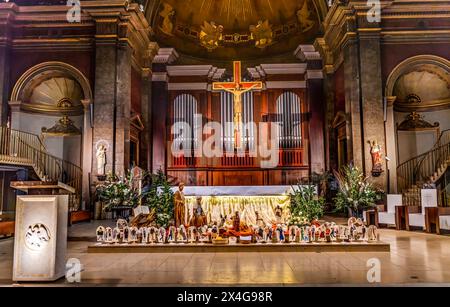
(224, 142)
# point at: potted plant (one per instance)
(118, 192)
(306, 205)
(355, 193)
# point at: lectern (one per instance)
(41, 233)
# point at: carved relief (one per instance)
(63, 127)
(37, 236)
(415, 121)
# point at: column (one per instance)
(391, 146)
(160, 107)
(86, 163)
(123, 108)
(372, 99)
(4, 81)
(112, 95)
(353, 103)
(330, 138)
(146, 107)
(15, 114)
(6, 18)
(314, 87)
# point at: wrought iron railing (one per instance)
(21, 148)
(420, 169)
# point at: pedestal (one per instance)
(40, 237)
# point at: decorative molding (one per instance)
(194, 86)
(160, 77)
(285, 84)
(307, 53)
(63, 127)
(208, 71)
(166, 56)
(390, 100)
(264, 70)
(15, 105)
(415, 122)
(314, 74)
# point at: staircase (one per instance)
(423, 170)
(26, 149)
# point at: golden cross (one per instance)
(237, 87)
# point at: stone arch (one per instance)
(22, 91)
(398, 149)
(47, 69)
(404, 66)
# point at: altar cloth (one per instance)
(268, 190)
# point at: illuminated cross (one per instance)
(237, 87)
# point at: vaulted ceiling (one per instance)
(223, 30)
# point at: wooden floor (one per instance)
(236, 248)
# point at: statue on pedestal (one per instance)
(377, 160)
(179, 210)
(101, 160)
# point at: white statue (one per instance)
(101, 160)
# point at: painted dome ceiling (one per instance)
(223, 30)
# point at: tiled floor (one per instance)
(415, 258)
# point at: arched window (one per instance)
(184, 113)
(227, 111)
(289, 119)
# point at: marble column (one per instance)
(87, 151)
(372, 100)
(391, 144)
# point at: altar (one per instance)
(221, 202)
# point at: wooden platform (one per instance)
(236, 248)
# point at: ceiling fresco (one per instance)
(222, 30)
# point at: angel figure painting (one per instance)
(211, 35)
(305, 19)
(167, 13)
(262, 34)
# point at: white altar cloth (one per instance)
(224, 201)
(268, 190)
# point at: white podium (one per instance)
(41, 237)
